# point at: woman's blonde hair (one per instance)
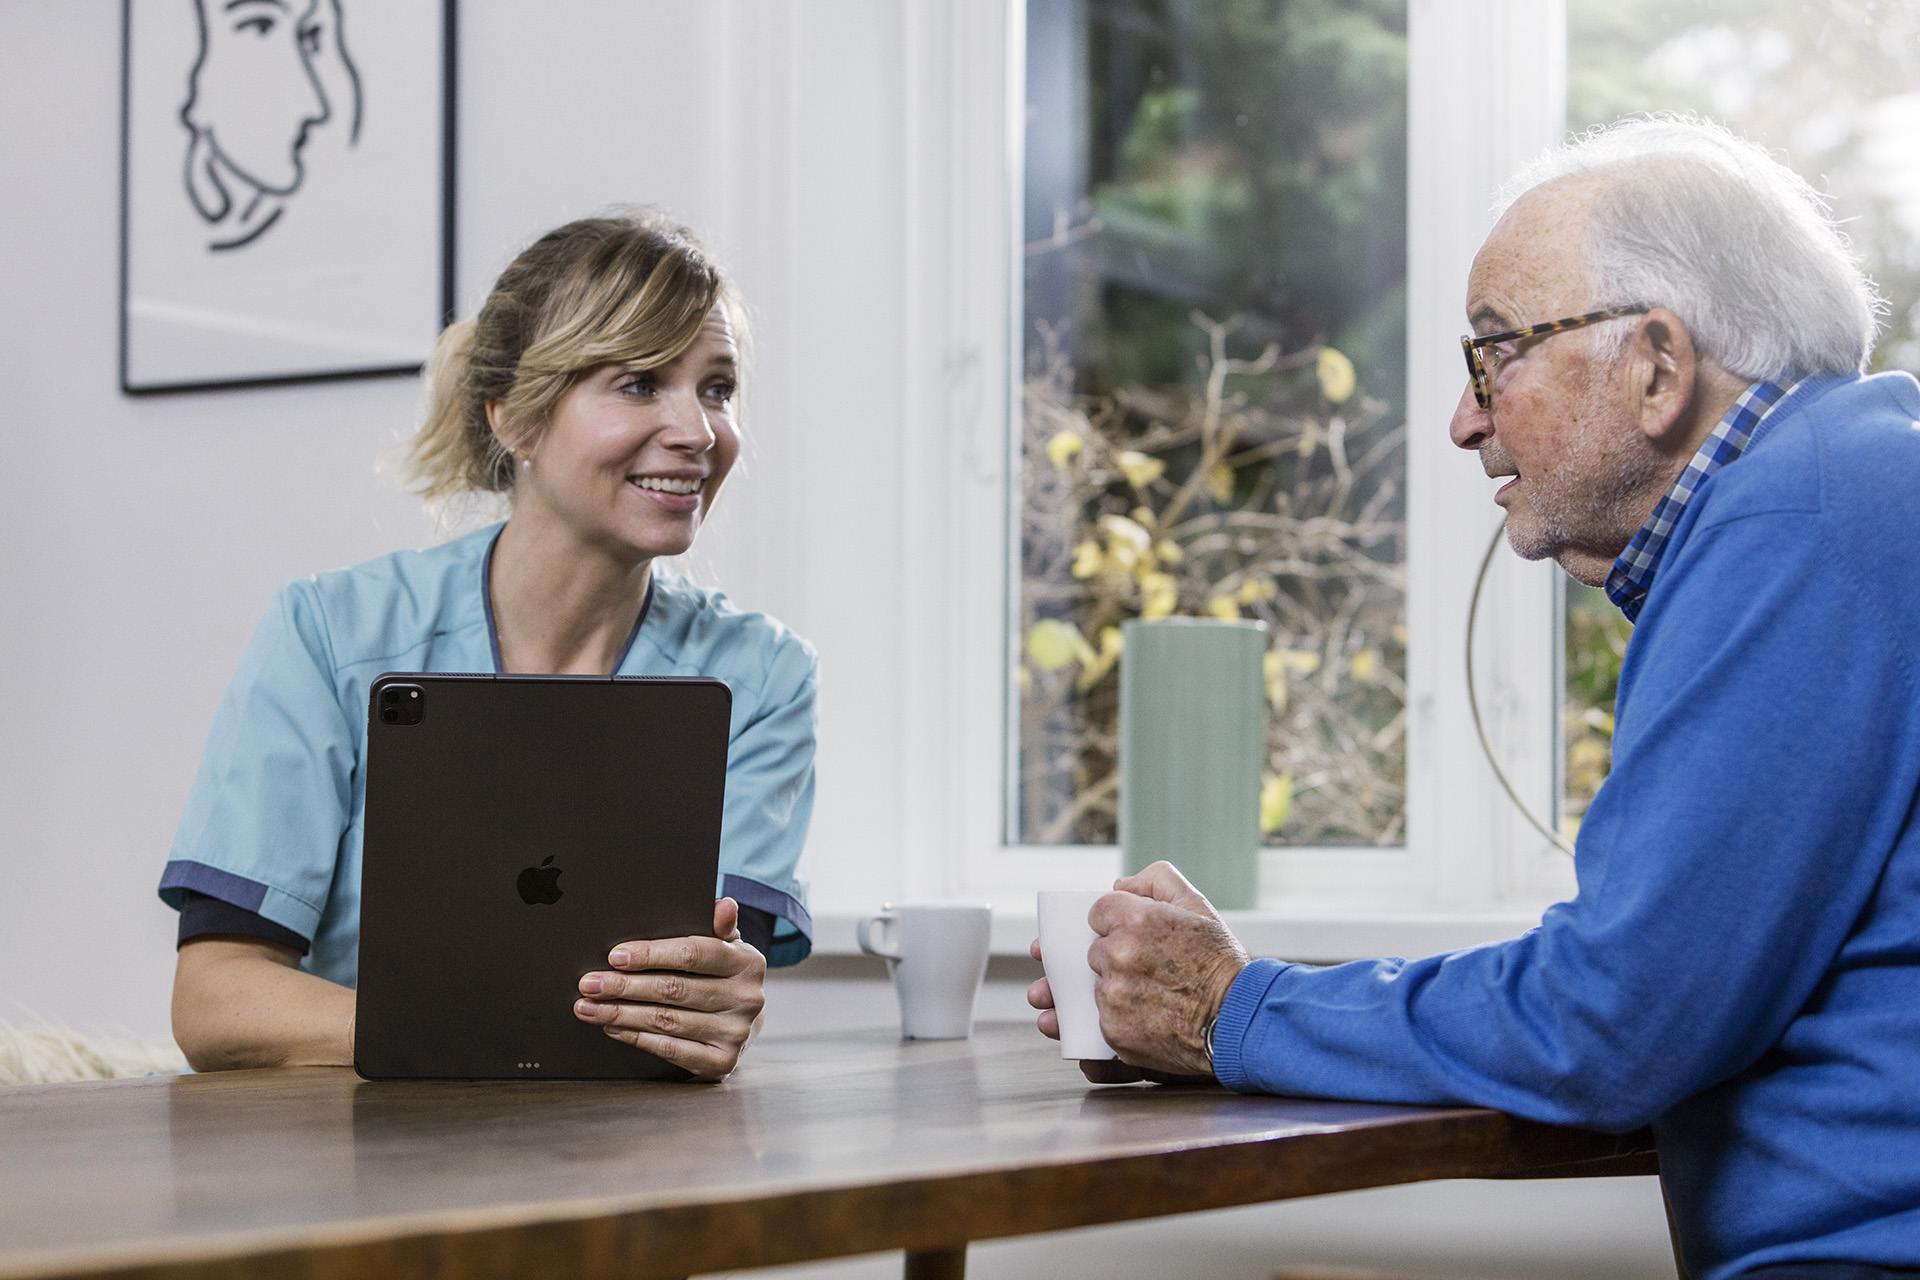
(631, 287)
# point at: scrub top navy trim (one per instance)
(273, 824)
(202, 916)
(493, 631)
(205, 917)
(792, 936)
(182, 877)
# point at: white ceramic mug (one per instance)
(938, 958)
(1065, 937)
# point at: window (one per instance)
(930, 584)
(1214, 417)
(1483, 92)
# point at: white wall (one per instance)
(140, 540)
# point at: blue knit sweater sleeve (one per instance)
(1764, 764)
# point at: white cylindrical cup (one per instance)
(938, 958)
(1065, 937)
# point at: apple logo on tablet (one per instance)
(540, 886)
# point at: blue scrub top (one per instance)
(274, 822)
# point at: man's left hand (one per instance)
(1165, 960)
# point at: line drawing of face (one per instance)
(268, 72)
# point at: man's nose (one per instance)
(1471, 424)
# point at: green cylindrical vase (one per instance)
(1193, 737)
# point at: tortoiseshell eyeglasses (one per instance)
(1477, 366)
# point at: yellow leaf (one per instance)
(1223, 607)
(1121, 530)
(1365, 665)
(1062, 448)
(1273, 669)
(1220, 483)
(1139, 469)
(1087, 559)
(1276, 802)
(1254, 590)
(1301, 662)
(1144, 517)
(1053, 644)
(1336, 375)
(1095, 671)
(1309, 438)
(1588, 753)
(1159, 595)
(1169, 551)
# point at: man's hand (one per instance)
(1164, 961)
(694, 1001)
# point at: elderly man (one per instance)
(1667, 374)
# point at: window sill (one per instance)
(1320, 938)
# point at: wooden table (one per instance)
(818, 1147)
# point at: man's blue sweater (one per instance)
(1741, 965)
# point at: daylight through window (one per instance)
(1215, 389)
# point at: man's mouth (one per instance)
(1496, 467)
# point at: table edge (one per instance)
(1056, 1193)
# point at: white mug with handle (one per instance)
(937, 955)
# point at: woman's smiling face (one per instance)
(631, 460)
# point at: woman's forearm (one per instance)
(241, 1002)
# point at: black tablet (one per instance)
(517, 829)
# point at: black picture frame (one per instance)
(144, 364)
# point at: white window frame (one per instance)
(1486, 92)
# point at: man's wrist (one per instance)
(1220, 1006)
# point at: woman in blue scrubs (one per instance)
(595, 390)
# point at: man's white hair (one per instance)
(1708, 225)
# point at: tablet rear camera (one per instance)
(402, 704)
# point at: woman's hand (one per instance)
(694, 1001)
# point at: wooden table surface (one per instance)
(817, 1147)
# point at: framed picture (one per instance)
(286, 190)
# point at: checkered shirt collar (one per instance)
(1632, 575)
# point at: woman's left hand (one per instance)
(694, 1001)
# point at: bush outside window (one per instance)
(1215, 390)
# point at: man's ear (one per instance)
(1665, 368)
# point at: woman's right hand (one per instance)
(695, 1002)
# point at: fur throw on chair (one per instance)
(39, 1052)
